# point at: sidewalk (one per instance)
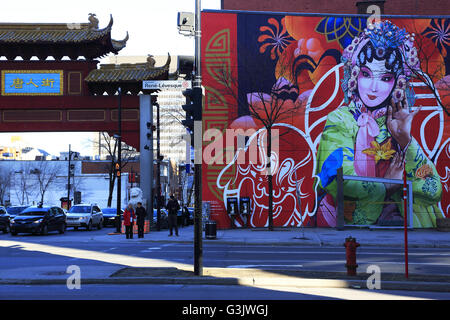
(164, 274)
(417, 238)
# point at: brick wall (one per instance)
(391, 7)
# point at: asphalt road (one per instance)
(16, 259)
(203, 292)
(431, 261)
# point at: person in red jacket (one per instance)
(128, 219)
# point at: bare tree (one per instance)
(269, 108)
(23, 185)
(5, 182)
(46, 174)
(109, 145)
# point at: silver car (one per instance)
(85, 215)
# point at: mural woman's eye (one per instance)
(365, 74)
(386, 78)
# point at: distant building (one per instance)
(9, 153)
(34, 154)
(172, 145)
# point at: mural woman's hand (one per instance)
(399, 120)
(395, 171)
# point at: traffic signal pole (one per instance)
(158, 171)
(68, 181)
(197, 83)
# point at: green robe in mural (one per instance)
(337, 147)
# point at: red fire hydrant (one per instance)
(350, 253)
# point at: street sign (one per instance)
(166, 84)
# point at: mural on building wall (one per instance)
(354, 101)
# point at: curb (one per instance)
(298, 243)
(246, 281)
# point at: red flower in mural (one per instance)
(274, 38)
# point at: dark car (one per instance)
(109, 216)
(15, 210)
(164, 221)
(185, 216)
(4, 220)
(39, 219)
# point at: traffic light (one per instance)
(193, 108)
(189, 108)
(151, 127)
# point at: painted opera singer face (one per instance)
(375, 83)
(377, 65)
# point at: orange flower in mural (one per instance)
(424, 171)
(380, 152)
(274, 38)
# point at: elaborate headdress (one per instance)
(381, 41)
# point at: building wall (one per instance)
(391, 7)
(93, 187)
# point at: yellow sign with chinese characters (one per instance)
(32, 82)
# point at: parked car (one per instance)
(185, 218)
(15, 210)
(164, 221)
(39, 219)
(109, 216)
(86, 216)
(4, 220)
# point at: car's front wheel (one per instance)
(62, 229)
(7, 229)
(100, 225)
(44, 230)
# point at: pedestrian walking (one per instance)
(140, 213)
(128, 220)
(172, 207)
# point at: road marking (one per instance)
(151, 249)
(264, 265)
